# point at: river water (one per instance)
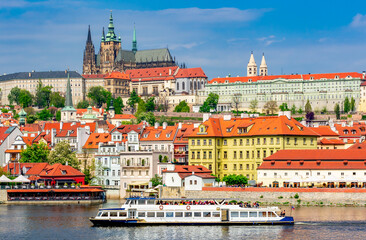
(71, 222)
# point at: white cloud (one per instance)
(13, 4)
(358, 21)
(270, 39)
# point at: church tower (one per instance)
(109, 48)
(263, 69)
(89, 65)
(252, 67)
(134, 42)
(68, 113)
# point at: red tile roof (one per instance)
(356, 131)
(34, 127)
(128, 128)
(298, 76)
(124, 116)
(117, 75)
(59, 170)
(188, 170)
(86, 76)
(326, 141)
(3, 134)
(158, 134)
(190, 73)
(260, 126)
(324, 131)
(161, 72)
(183, 133)
(316, 159)
(358, 145)
(95, 138)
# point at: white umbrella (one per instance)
(295, 180)
(313, 179)
(348, 179)
(330, 179)
(22, 179)
(151, 191)
(3, 178)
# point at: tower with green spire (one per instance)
(111, 36)
(134, 42)
(68, 113)
(22, 117)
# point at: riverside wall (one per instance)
(3, 196)
(270, 196)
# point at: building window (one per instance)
(264, 153)
(247, 154)
(234, 154)
(304, 141)
(210, 142)
(278, 141)
(225, 142)
(234, 142)
(241, 166)
(198, 155)
(288, 141)
(258, 154)
(210, 154)
(271, 141)
(205, 142)
(210, 167)
(192, 142)
(204, 155)
(241, 154)
(218, 142)
(241, 142)
(234, 166)
(264, 141)
(192, 155)
(248, 142)
(247, 166)
(225, 166)
(225, 154)
(258, 141)
(198, 142)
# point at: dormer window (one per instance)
(157, 135)
(202, 129)
(353, 131)
(63, 172)
(345, 131)
(336, 77)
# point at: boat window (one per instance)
(150, 214)
(262, 214)
(216, 214)
(188, 214)
(113, 214)
(178, 214)
(99, 214)
(141, 202)
(128, 202)
(141, 214)
(105, 214)
(253, 214)
(234, 214)
(271, 214)
(160, 214)
(151, 202)
(244, 214)
(123, 214)
(197, 214)
(206, 214)
(169, 214)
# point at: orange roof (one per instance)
(128, 128)
(81, 111)
(55, 190)
(151, 72)
(13, 150)
(28, 140)
(183, 133)
(158, 134)
(260, 126)
(189, 169)
(95, 138)
(358, 145)
(324, 131)
(190, 72)
(117, 75)
(356, 131)
(31, 128)
(326, 141)
(296, 76)
(124, 116)
(58, 169)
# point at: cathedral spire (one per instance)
(68, 100)
(263, 69)
(134, 41)
(252, 66)
(89, 40)
(111, 36)
(103, 35)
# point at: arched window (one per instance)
(191, 86)
(199, 85)
(183, 86)
(195, 86)
(177, 86)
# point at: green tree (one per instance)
(31, 118)
(82, 104)
(211, 103)
(4, 110)
(58, 116)
(236, 102)
(118, 105)
(308, 107)
(270, 107)
(25, 98)
(146, 116)
(337, 111)
(150, 104)
(14, 95)
(234, 179)
(324, 110)
(284, 107)
(182, 107)
(141, 108)
(346, 105)
(63, 154)
(253, 105)
(165, 159)
(42, 97)
(35, 153)
(57, 100)
(300, 111)
(293, 109)
(99, 95)
(353, 104)
(30, 111)
(45, 114)
(156, 180)
(133, 100)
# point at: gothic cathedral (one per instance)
(112, 57)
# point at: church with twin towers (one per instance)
(252, 69)
(113, 57)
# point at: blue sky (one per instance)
(295, 36)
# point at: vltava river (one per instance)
(71, 222)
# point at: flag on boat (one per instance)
(292, 207)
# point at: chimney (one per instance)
(118, 124)
(61, 125)
(206, 116)
(287, 114)
(165, 124)
(30, 74)
(180, 125)
(53, 134)
(351, 123)
(244, 115)
(363, 74)
(156, 125)
(280, 113)
(170, 71)
(227, 117)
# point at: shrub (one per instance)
(261, 196)
(280, 197)
(296, 196)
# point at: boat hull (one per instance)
(135, 222)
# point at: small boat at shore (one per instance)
(155, 211)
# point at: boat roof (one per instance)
(179, 199)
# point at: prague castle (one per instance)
(112, 56)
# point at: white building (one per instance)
(324, 167)
(7, 138)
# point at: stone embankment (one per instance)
(277, 196)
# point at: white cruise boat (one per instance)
(154, 211)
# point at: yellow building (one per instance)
(238, 145)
